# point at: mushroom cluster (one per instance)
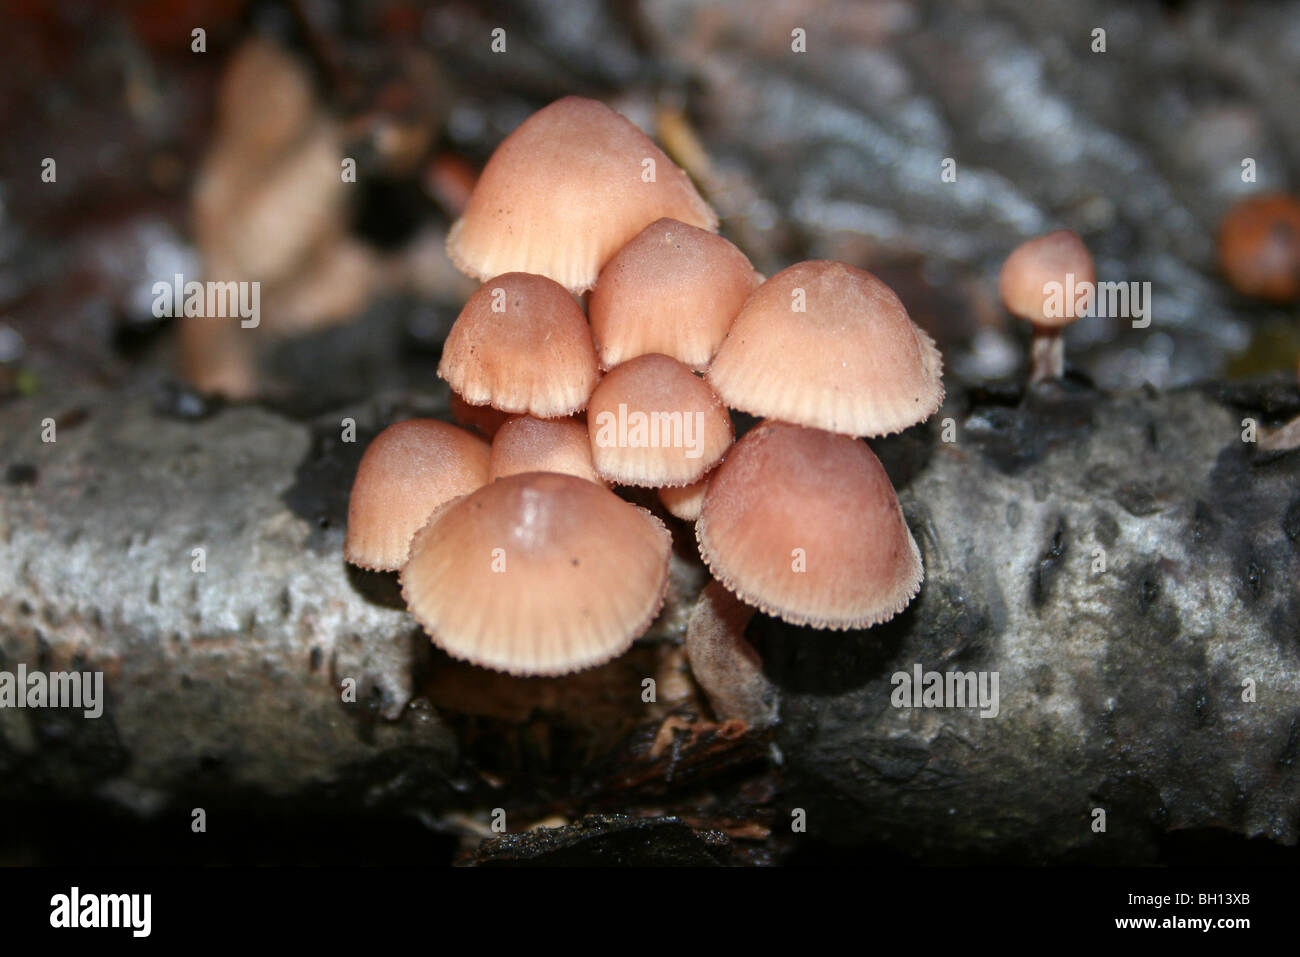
(513, 551)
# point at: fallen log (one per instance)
(1125, 565)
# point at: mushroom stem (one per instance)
(724, 663)
(1046, 354)
(215, 358)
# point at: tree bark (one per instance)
(1126, 564)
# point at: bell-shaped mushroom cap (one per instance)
(653, 423)
(564, 192)
(1033, 265)
(684, 502)
(804, 525)
(537, 574)
(526, 444)
(828, 346)
(673, 289)
(409, 469)
(521, 345)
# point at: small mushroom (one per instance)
(1026, 285)
(407, 471)
(805, 525)
(1259, 248)
(684, 501)
(268, 194)
(567, 190)
(831, 347)
(521, 345)
(674, 289)
(268, 202)
(526, 444)
(537, 574)
(265, 98)
(655, 423)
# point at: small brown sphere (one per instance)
(1259, 248)
(805, 525)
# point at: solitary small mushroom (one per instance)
(1259, 248)
(537, 574)
(684, 501)
(828, 346)
(521, 345)
(655, 423)
(673, 289)
(1036, 283)
(407, 471)
(805, 525)
(567, 190)
(526, 444)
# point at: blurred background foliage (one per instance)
(835, 152)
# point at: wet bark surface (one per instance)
(1122, 562)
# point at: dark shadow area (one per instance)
(808, 661)
(1051, 414)
(258, 834)
(378, 588)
